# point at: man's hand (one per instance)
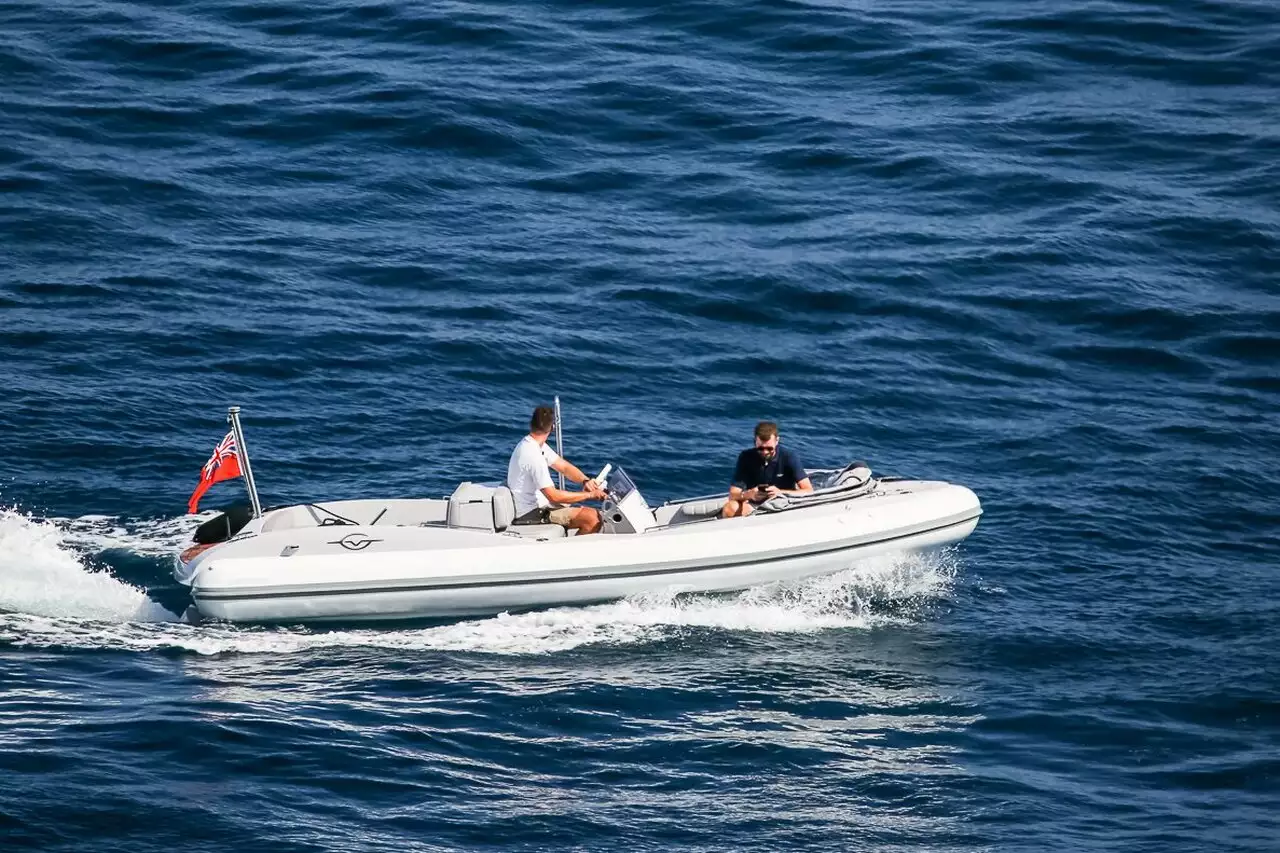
(766, 492)
(592, 488)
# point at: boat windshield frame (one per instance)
(620, 484)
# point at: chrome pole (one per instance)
(559, 440)
(233, 418)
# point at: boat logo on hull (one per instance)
(355, 541)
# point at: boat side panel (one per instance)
(476, 599)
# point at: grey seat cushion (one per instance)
(696, 510)
(699, 509)
(504, 508)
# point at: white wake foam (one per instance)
(49, 597)
(156, 537)
(41, 576)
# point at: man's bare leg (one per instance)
(585, 520)
(736, 509)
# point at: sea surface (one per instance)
(1030, 247)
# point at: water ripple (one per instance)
(1021, 246)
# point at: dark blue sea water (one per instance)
(1030, 247)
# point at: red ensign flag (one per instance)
(222, 465)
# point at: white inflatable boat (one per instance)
(362, 560)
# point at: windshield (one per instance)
(620, 485)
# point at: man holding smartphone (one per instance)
(764, 471)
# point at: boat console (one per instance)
(624, 509)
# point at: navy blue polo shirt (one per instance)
(783, 470)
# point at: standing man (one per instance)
(537, 500)
(764, 471)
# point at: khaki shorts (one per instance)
(561, 515)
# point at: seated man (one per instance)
(764, 471)
(537, 500)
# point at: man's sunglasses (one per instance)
(766, 450)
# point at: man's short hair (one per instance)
(766, 430)
(544, 418)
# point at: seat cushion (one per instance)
(702, 508)
(504, 508)
(696, 510)
(538, 531)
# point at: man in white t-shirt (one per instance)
(537, 499)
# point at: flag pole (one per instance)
(559, 440)
(233, 418)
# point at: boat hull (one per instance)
(493, 574)
(442, 600)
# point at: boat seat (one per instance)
(504, 508)
(504, 512)
(472, 507)
(491, 509)
(697, 510)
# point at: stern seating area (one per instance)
(403, 513)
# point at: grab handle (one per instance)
(604, 472)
